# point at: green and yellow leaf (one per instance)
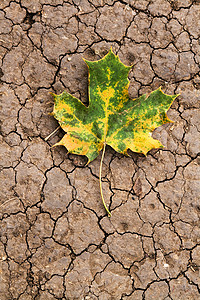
(111, 118)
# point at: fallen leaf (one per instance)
(111, 118)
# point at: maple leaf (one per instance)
(111, 118)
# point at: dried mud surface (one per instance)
(56, 241)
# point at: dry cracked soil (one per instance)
(56, 241)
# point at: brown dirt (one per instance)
(56, 241)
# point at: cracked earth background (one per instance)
(56, 241)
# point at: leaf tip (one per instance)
(144, 152)
(125, 152)
(52, 94)
(175, 96)
(87, 162)
(55, 145)
(172, 96)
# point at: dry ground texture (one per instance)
(56, 241)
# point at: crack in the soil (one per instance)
(24, 220)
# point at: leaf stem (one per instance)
(100, 183)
